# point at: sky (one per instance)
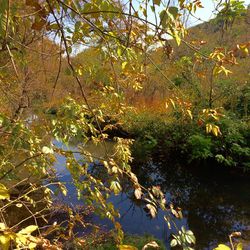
(204, 14)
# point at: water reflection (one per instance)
(214, 203)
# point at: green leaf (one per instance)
(4, 193)
(68, 71)
(164, 18)
(173, 11)
(3, 17)
(173, 243)
(115, 187)
(53, 26)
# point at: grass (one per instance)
(133, 240)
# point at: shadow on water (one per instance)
(214, 203)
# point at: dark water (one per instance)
(214, 202)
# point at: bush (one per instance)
(200, 147)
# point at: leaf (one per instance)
(172, 102)
(4, 193)
(157, 2)
(222, 247)
(166, 105)
(190, 114)
(28, 229)
(163, 18)
(63, 189)
(53, 26)
(151, 245)
(138, 193)
(173, 243)
(176, 36)
(119, 52)
(115, 187)
(209, 128)
(33, 3)
(127, 247)
(21, 239)
(124, 64)
(152, 210)
(2, 226)
(4, 242)
(68, 71)
(3, 17)
(173, 11)
(47, 150)
(215, 130)
(239, 246)
(32, 245)
(38, 25)
(133, 177)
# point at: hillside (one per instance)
(186, 74)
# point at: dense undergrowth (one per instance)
(188, 142)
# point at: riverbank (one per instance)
(187, 141)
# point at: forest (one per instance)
(124, 124)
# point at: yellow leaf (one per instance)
(208, 128)
(32, 245)
(215, 130)
(222, 247)
(4, 242)
(4, 194)
(124, 64)
(127, 247)
(166, 105)
(28, 229)
(115, 187)
(79, 71)
(119, 52)
(152, 210)
(21, 239)
(138, 193)
(190, 114)
(177, 38)
(172, 102)
(2, 226)
(47, 150)
(151, 245)
(239, 246)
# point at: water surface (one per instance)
(214, 202)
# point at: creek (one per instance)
(214, 202)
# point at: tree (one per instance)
(39, 41)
